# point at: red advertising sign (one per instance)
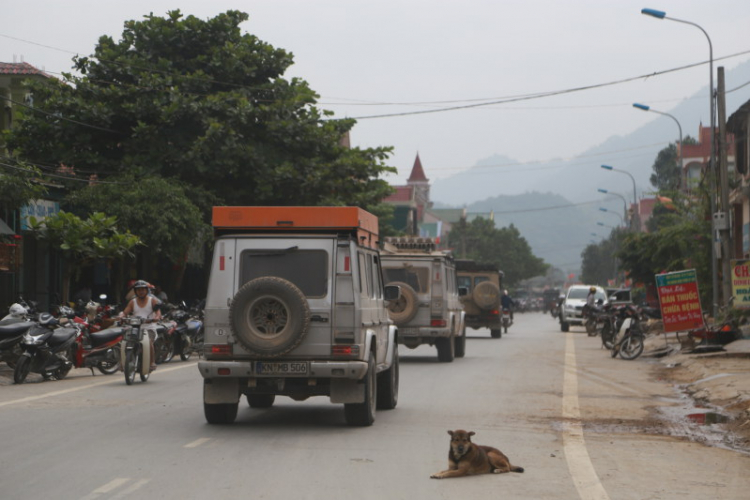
(679, 300)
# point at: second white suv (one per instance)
(571, 312)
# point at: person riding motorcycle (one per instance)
(506, 302)
(143, 305)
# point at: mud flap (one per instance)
(347, 391)
(221, 390)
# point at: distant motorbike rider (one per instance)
(590, 301)
(144, 305)
(506, 302)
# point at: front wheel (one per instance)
(496, 333)
(388, 385)
(564, 326)
(631, 347)
(363, 414)
(607, 336)
(186, 348)
(21, 371)
(591, 327)
(460, 344)
(111, 363)
(132, 359)
(446, 349)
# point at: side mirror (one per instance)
(391, 292)
(463, 291)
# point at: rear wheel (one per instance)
(21, 371)
(564, 326)
(186, 348)
(223, 413)
(446, 349)
(496, 333)
(607, 335)
(388, 385)
(261, 400)
(132, 359)
(591, 327)
(363, 414)
(110, 364)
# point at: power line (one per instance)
(66, 177)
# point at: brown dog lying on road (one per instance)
(467, 459)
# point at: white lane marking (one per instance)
(576, 455)
(197, 442)
(114, 484)
(130, 489)
(111, 379)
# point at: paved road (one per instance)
(555, 403)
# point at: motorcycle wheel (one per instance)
(144, 376)
(170, 348)
(21, 371)
(591, 327)
(108, 367)
(132, 359)
(607, 336)
(186, 349)
(62, 372)
(631, 347)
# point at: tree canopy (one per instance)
(481, 241)
(201, 102)
(667, 174)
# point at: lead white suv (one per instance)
(296, 307)
(571, 312)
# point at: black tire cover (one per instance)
(269, 316)
(404, 309)
(486, 295)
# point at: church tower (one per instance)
(420, 183)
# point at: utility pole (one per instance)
(725, 233)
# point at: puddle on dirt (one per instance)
(703, 424)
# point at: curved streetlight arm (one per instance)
(624, 201)
(635, 196)
(679, 127)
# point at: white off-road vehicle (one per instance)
(429, 310)
(296, 307)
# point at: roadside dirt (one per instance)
(718, 384)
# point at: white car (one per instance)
(575, 299)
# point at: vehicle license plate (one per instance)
(281, 368)
(408, 331)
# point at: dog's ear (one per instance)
(471, 433)
(451, 433)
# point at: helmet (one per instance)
(592, 289)
(141, 284)
(17, 310)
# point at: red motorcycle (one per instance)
(99, 348)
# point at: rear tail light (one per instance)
(345, 350)
(495, 312)
(221, 350)
(438, 322)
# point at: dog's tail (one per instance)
(515, 468)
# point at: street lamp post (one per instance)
(648, 108)
(658, 14)
(602, 209)
(624, 201)
(635, 221)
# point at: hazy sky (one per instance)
(369, 58)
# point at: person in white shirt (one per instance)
(144, 305)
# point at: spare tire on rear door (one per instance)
(404, 309)
(269, 316)
(486, 295)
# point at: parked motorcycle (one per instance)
(189, 334)
(12, 328)
(135, 351)
(46, 349)
(166, 339)
(97, 348)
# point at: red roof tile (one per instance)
(19, 69)
(403, 193)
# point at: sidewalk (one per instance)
(718, 381)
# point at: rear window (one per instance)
(307, 269)
(416, 277)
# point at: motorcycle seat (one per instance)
(8, 330)
(61, 335)
(104, 336)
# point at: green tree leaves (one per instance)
(481, 241)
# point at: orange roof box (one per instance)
(316, 219)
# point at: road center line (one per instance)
(111, 379)
(576, 455)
